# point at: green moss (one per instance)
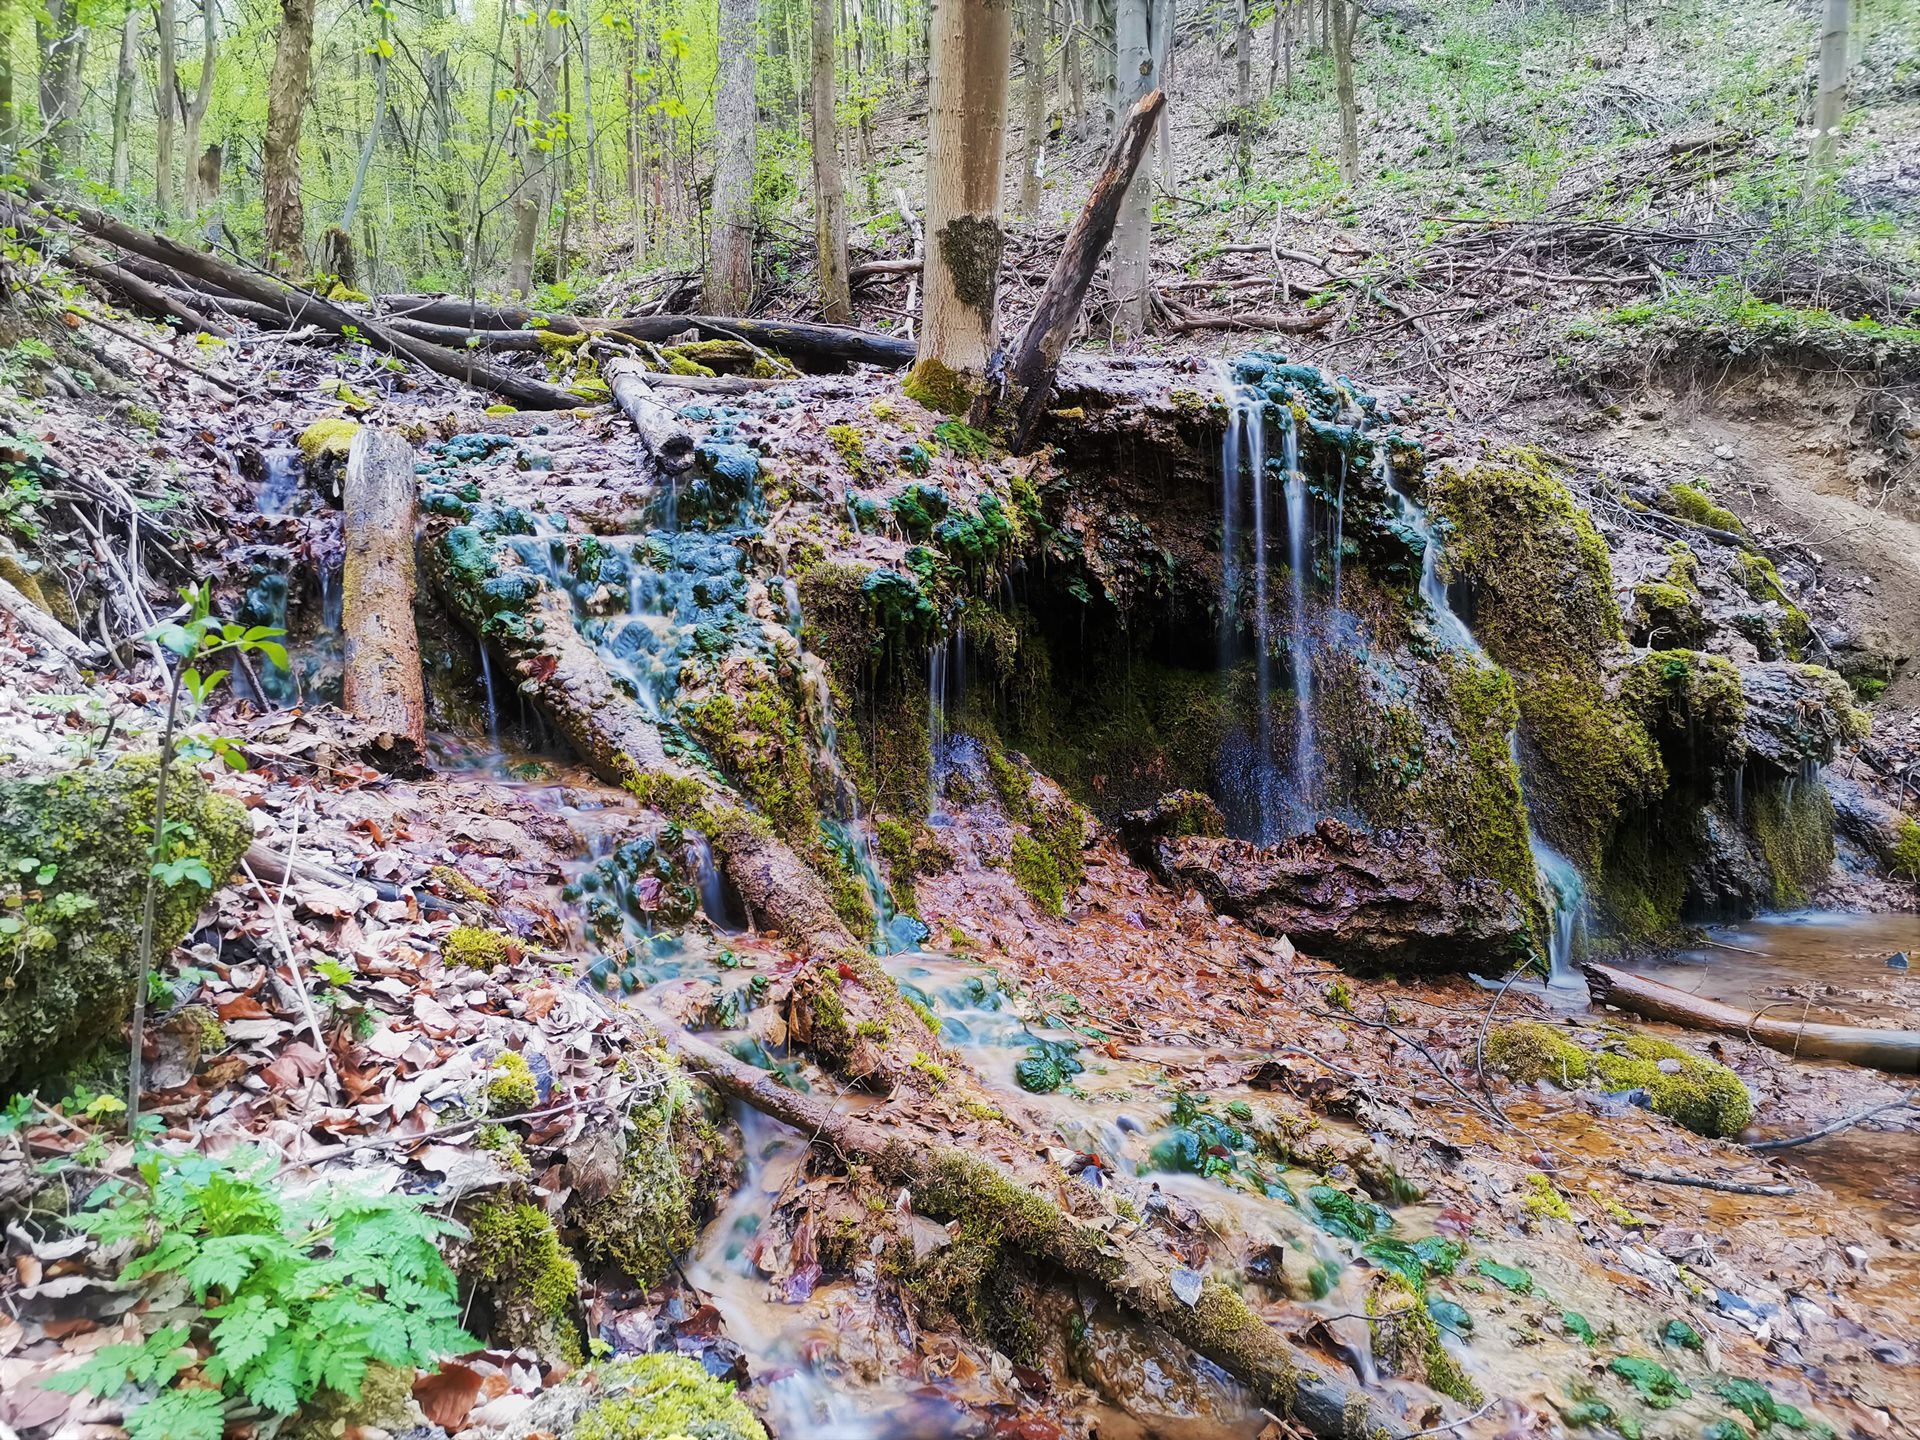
(1762, 581)
(938, 388)
(384, 1402)
(1544, 1201)
(473, 946)
(1406, 1340)
(331, 438)
(74, 860)
(935, 1073)
(849, 443)
(665, 1397)
(1691, 503)
(1703, 1095)
(1693, 704)
(1792, 820)
(512, 1089)
(673, 1168)
(1904, 861)
(452, 881)
(532, 1280)
(677, 797)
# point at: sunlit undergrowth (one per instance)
(1728, 313)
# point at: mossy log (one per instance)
(666, 439)
(1897, 1051)
(948, 1182)
(51, 636)
(381, 677)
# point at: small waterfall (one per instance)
(282, 482)
(1560, 886)
(1299, 654)
(486, 684)
(946, 684)
(714, 899)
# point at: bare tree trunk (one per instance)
(287, 88)
(1831, 102)
(728, 288)
(1343, 20)
(1033, 110)
(1070, 61)
(1243, 89)
(62, 44)
(9, 120)
(971, 47)
(120, 168)
(1136, 46)
(583, 35)
(535, 147)
(1282, 42)
(829, 191)
(166, 86)
(365, 163)
(197, 110)
(1103, 30)
(381, 671)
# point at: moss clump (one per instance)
(665, 1397)
(454, 883)
(1793, 822)
(1904, 859)
(532, 1280)
(1048, 862)
(1406, 1340)
(1693, 704)
(1691, 503)
(848, 441)
(671, 1172)
(1702, 1095)
(75, 850)
(513, 1088)
(1761, 580)
(1545, 1202)
(384, 1402)
(329, 439)
(937, 387)
(472, 946)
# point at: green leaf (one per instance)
(1679, 1333)
(1658, 1386)
(1578, 1324)
(1514, 1279)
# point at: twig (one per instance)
(1425, 1054)
(1455, 1424)
(1911, 1098)
(293, 965)
(1702, 1182)
(149, 346)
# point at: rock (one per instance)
(1371, 902)
(77, 911)
(1864, 818)
(1797, 713)
(1177, 814)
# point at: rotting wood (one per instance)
(381, 679)
(947, 1181)
(1036, 355)
(52, 636)
(667, 440)
(1896, 1051)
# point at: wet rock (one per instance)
(1864, 818)
(1796, 714)
(1178, 814)
(1371, 902)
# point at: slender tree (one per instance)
(1243, 88)
(1830, 103)
(533, 138)
(1141, 27)
(166, 88)
(1033, 103)
(125, 75)
(62, 60)
(971, 49)
(1070, 62)
(287, 89)
(1343, 18)
(196, 109)
(9, 120)
(829, 192)
(728, 288)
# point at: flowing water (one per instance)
(282, 482)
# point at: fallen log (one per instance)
(143, 295)
(460, 337)
(297, 306)
(666, 439)
(1897, 1051)
(52, 637)
(269, 315)
(381, 677)
(1036, 355)
(949, 1183)
(453, 312)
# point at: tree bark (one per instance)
(1897, 1051)
(196, 112)
(1136, 49)
(950, 1183)
(829, 191)
(1070, 62)
(62, 43)
(287, 89)
(126, 71)
(966, 153)
(1343, 18)
(381, 676)
(534, 145)
(1037, 354)
(728, 285)
(372, 143)
(1830, 103)
(9, 115)
(1033, 104)
(667, 441)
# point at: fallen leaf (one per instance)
(448, 1395)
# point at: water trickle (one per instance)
(1561, 883)
(1299, 642)
(486, 684)
(282, 482)
(946, 685)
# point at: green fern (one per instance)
(295, 1297)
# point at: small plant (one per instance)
(291, 1298)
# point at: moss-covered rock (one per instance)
(74, 859)
(665, 1397)
(1694, 505)
(384, 1402)
(531, 1281)
(1702, 1095)
(1792, 821)
(480, 948)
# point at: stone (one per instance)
(1797, 714)
(1372, 902)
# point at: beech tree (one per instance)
(63, 44)
(830, 199)
(1033, 108)
(533, 137)
(728, 289)
(287, 88)
(166, 82)
(196, 109)
(967, 124)
(1343, 18)
(1142, 30)
(1830, 103)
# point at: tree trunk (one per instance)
(667, 441)
(533, 142)
(61, 46)
(197, 109)
(365, 163)
(1136, 48)
(1033, 110)
(9, 119)
(972, 44)
(1102, 29)
(1897, 1051)
(1070, 62)
(829, 192)
(287, 88)
(948, 1183)
(120, 165)
(165, 87)
(1343, 19)
(583, 38)
(1831, 103)
(1037, 354)
(728, 287)
(381, 676)
(1243, 89)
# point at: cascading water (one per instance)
(1559, 882)
(946, 683)
(1299, 551)
(282, 482)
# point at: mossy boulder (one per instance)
(665, 1397)
(1702, 1095)
(528, 1277)
(74, 861)
(325, 445)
